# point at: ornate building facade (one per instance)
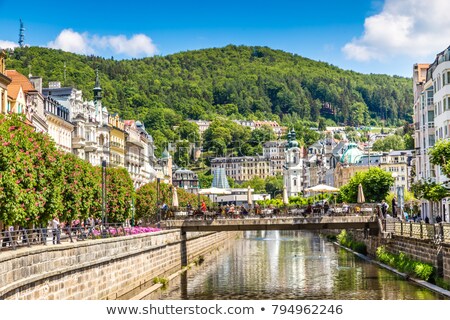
(4, 82)
(293, 175)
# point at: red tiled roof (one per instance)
(18, 80)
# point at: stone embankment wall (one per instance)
(421, 250)
(99, 269)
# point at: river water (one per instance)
(290, 265)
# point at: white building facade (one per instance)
(293, 170)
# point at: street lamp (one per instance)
(132, 212)
(103, 191)
(104, 217)
(158, 181)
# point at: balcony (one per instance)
(78, 142)
(91, 146)
(136, 142)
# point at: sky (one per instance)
(368, 36)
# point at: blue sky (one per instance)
(366, 36)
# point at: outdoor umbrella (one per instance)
(249, 196)
(322, 188)
(361, 198)
(175, 198)
(285, 196)
(214, 190)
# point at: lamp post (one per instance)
(104, 217)
(104, 191)
(198, 193)
(158, 181)
(132, 212)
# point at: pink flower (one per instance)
(6, 144)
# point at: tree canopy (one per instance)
(391, 142)
(375, 182)
(235, 82)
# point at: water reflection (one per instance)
(290, 265)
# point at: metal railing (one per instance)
(262, 212)
(13, 239)
(437, 232)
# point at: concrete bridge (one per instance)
(369, 222)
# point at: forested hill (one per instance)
(235, 81)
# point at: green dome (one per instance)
(352, 154)
(165, 154)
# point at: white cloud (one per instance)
(7, 44)
(138, 45)
(403, 28)
(72, 41)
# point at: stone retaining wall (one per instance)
(446, 263)
(98, 269)
(426, 251)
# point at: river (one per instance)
(290, 265)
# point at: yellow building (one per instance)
(344, 172)
(117, 141)
(4, 82)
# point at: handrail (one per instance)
(13, 239)
(437, 232)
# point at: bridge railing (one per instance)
(13, 239)
(300, 211)
(437, 232)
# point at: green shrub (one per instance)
(346, 240)
(161, 280)
(404, 264)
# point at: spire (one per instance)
(98, 99)
(97, 88)
(21, 34)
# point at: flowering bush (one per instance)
(37, 181)
(121, 231)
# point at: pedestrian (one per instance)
(203, 206)
(394, 207)
(56, 231)
(384, 208)
(427, 220)
(438, 219)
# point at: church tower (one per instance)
(293, 169)
(98, 98)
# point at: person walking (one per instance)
(384, 208)
(56, 231)
(394, 207)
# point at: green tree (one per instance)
(440, 155)
(274, 185)
(322, 124)
(29, 174)
(119, 194)
(409, 141)
(256, 183)
(182, 155)
(392, 142)
(431, 191)
(375, 182)
(205, 180)
(189, 131)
